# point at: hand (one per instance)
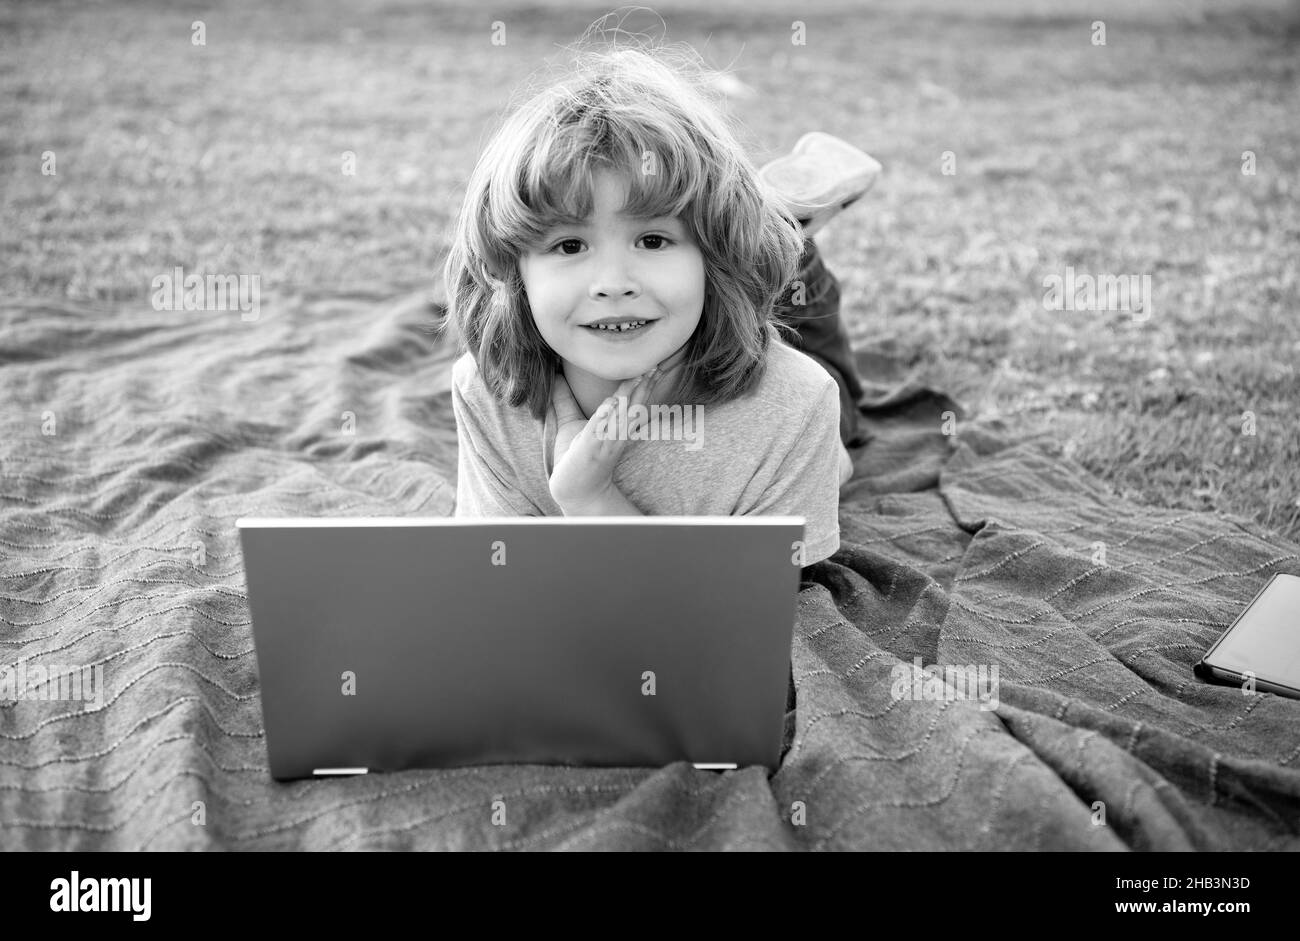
(584, 462)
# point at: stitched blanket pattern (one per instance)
(132, 439)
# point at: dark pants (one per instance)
(823, 337)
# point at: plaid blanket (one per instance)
(999, 656)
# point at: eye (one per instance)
(560, 245)
(653, 242)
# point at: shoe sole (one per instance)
(818, 151)
(805, 222)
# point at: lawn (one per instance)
(1116, 159)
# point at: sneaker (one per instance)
(821, 177)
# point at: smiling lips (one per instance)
(618, 325)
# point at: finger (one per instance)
(641, 396)
(564, 439)
(627, 386)
(637, 392)
(595, 436)
(569, 420)
(622, 394)
(672, 362)
(566, 406)
(630, 391)
(668, 372)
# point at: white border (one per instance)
(294, 522)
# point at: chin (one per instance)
(628, 366)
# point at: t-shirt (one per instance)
(772, 452)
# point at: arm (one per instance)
(807, 482)
(610, 502)
(485, 484)
(587, 450)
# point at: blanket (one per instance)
(132, 439)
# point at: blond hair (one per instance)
(644, 113)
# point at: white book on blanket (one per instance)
(1260, 650)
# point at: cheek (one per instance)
(698, 289)
(687, 283)
(538, 290)
(551, 293)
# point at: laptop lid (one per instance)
(392, 643)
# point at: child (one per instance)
(619, 275)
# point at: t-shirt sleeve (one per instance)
(484, 482)
(807, 483)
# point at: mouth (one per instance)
(621, 328)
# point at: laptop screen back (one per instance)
(399, 643)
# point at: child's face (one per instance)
(615, 266)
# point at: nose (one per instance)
(613, 279)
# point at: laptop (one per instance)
(392, 643)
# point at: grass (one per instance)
(1115, 159)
